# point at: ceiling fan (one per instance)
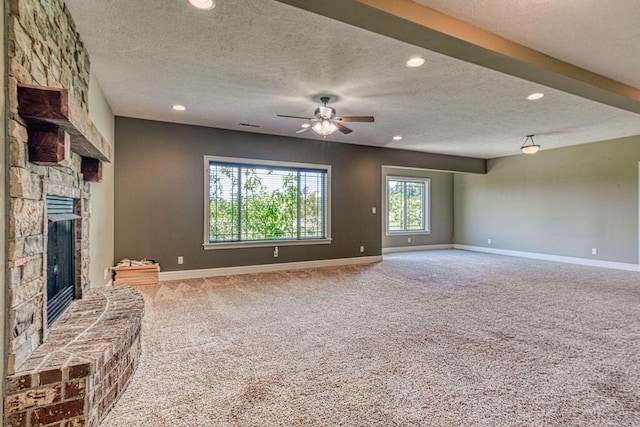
(326, 122)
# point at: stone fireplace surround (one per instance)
(71, 373)
(44, 50)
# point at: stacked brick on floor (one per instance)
(76, 376)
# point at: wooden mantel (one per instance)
(42, 107)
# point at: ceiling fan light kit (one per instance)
(529, 147)
(324, 127)
(326, 122)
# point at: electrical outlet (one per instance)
(361, 248)
(275, 252)
(594, 251)
(408, 239)
(180, 260)
(373, 210)
(489, 241)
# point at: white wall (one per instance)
(101, 225)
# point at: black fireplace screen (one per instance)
(60, 256)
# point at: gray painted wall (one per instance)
(558, 202)
(441, 209)
(159, 191)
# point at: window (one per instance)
(259, 203)
(407, 205)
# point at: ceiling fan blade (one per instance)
(368, 119)
(342, 128)
(303, 130)
(295, 117)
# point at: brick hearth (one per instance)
(77, 375)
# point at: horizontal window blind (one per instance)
(252, 202)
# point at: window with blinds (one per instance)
(253, 202)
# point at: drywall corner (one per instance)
(101, 229)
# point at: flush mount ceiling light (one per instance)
(203, 4)
(324, 127)
(535, 96)
(397, 138)
(178, 107)
(529, 147)
(415, 61)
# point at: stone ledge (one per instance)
(76, 376)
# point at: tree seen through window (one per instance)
(406, 205)
(254, 202)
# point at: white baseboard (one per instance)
(556, 258)
(264, 268)
(416, 248)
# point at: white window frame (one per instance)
(426, 206)
(262, 243)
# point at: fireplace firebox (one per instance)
(61, 280)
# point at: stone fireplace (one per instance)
(66, 362)
(44, 50)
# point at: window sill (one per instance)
(264, 243)
(408, 233)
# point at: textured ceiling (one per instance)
(600, 36)
(241, 63)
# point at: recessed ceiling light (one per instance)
(305, 125)
(535, 96)
(415, 61)
(179, 107)
(203, 4)
(397, 138)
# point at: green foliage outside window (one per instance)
(406, 203)
(252, 203)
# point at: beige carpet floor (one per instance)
(443, 338)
